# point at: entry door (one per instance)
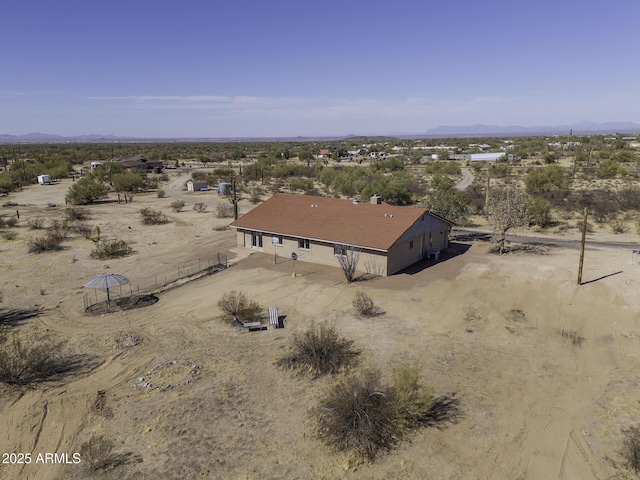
(256, 240)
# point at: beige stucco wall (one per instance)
(322, 253)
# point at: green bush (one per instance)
(86, 190)
(540, 212)
(546, 179)
(320, 350)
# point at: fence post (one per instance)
(155, 275)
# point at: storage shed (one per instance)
(196, 186)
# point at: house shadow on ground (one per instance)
(455, 249)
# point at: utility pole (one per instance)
(584, 236)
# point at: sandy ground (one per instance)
(535, 403)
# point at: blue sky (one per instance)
(241, 68)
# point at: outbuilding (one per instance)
(44, 179)
(196, 186)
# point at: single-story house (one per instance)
(318, 230)
(196, 186)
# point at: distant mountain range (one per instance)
(517, 130)
(478, 130)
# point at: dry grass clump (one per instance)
(177, 205)
(81, 228)
(236, 304)
(98, 454)
(363, 416)
(152, 217)
(10, 222)
(9, 235)
(199, 207)
(224, 210)
(358, 416)
(51, 241)
(320, 350)
(36, 223)
(24, 361)
(108, 249)
(364, 305)
(630, 450)
(573, 336)
(76, 214)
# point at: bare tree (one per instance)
(348, 256)
(509, 208)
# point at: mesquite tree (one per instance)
(509, 208)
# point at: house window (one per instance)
(410, 243)
(303, 243)
(339, 249)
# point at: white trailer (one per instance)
(44, 179)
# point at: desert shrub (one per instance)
(363, 416)
(630, 450)
(200, 207)
(224, 210)
(37, 223)
(359, 416)
(98, 454)
(152, 217)
(59, 228)
(10, 222)
(412, 401)
(540, 212)
(161, 193)
(320, 350)
(74, 213)
(48, 242)
(618, 226)
(107, 249)
(163, 177)
(9, 235)
(609, 169)
(500, 170)
(81, 228)
(177, 205)
(443, 167)
(255, 196)
(88, 189)
(364, 304)
(546, 179)
(236, 304)
(24, 361)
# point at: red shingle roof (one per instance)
(331, 219)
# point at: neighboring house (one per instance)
(196, 186)
(140, 162)
(319, 229)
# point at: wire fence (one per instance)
(158, 282)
